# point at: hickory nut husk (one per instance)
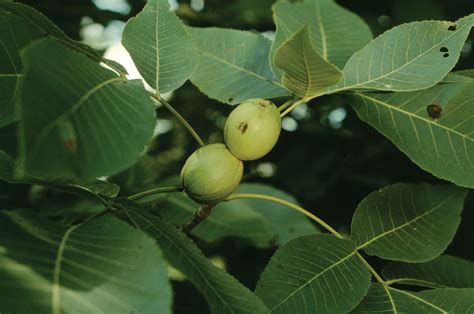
(252, 129)
(211, 174)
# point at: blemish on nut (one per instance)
(243, 127)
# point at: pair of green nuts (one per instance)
(213, 171)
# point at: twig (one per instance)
(155, 191)
(201, 214)
(180, 118)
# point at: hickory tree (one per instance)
(82, 129)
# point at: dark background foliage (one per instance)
(329, 165)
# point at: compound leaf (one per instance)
(434, 127)
(261, 223)
(385, 299)
(92, 124)
(336, 33)
(307, 74)
(223, 292)
(408, 222)
(408, 57)
(99, 266)
(14, 35)
(160, 46)
(314, 273)
(234, 66)
(443, 272)
(37, 22)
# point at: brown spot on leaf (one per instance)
(452, 28)
(70, 144)
(434, 111)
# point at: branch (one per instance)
(201, 214)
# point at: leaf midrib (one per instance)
(314, 278)
(413, 281)
(157, 77)
(430, 122)
(242, 69)
(345, 87)
(418, 299)
(365, 244)
(321, 31)
(49, 127)
(55, 288)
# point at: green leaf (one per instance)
(223, 293)
(95, 189)
(454, 77)
(226, 220)
(91, 125)
(6, 166)
(443, 272)
(314, 273)
(384, 299)
(261, 223)
(442, 145)
(450, 300)
(14, 35)
(307, 74)
(99, 266)
(467, 73)
(160, 46)
(408, 57)
(234, 66)
(408, 222)
(336, 33)
(37, 22)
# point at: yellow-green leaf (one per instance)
(307, 74)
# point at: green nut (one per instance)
(211, 174)
(252, 129)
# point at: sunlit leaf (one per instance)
(384, 299)
(408, 222)
(408, 57)
(440, 142)
(112, 119)
(443, 272)
(314, 274)
(307, 74)
(234, 66)
(223, 293)
(100, 266)
(336, 33)
(160, 46)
